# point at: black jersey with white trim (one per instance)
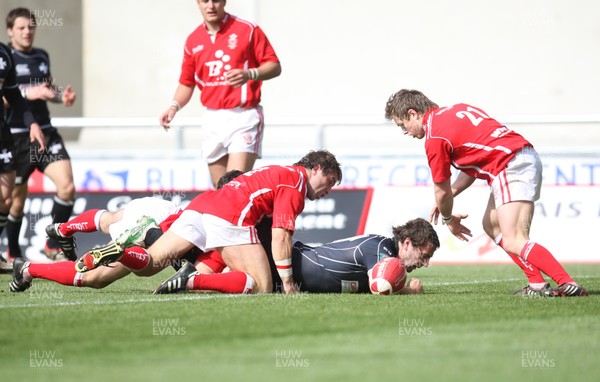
(340, 266)
(9, 90)
(32, 69)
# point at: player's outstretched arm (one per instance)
(415, 286)
(281, 246)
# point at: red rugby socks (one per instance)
(135, 258)
(63, 272)
(542, 259)
(228, 282)
(85, 222)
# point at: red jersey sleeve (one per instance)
(289, 203)
(263, 50)
(188, 65)
(438, 156)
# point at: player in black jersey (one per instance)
(12, 99)
(37, 87)
(341, 266)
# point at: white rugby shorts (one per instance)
(209, 232)
(157, 208)
(520, 180)
(227, 131)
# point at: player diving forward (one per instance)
(338, 267)
(341, 266)
(139, 222)
(135, 221)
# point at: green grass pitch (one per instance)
(467, 327)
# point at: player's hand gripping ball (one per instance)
(388, 276)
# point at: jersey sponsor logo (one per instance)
(55, 148)
(349, 286)
(2, 64)
(43, 68)
(197, 48)
(500, 132)
(217, 67)
(23, 70)
(6, 156)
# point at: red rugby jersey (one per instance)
(277, 191)
(238, 44)
(465, 137)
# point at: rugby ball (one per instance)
(388, 276)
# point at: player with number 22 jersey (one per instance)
(465, 137)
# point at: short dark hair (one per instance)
(16, 13)
(400, 102)
(324, 159)
(419, 231)
(228, 177)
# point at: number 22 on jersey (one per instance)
(476, 116)
(470, 113)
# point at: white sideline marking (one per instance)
(491, 281)
(213, 296)
(446, 283)
(128, 301)
(575, 277)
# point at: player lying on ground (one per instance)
(110, 223)
(134, 224)
(341, 266)
(144, 234)
(225, 220)
(338, 267)
(414, 243)
(129, 222)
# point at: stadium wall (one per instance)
(342, 58)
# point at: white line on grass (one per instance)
(446, 283)
(197, 296)
(128, 301)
